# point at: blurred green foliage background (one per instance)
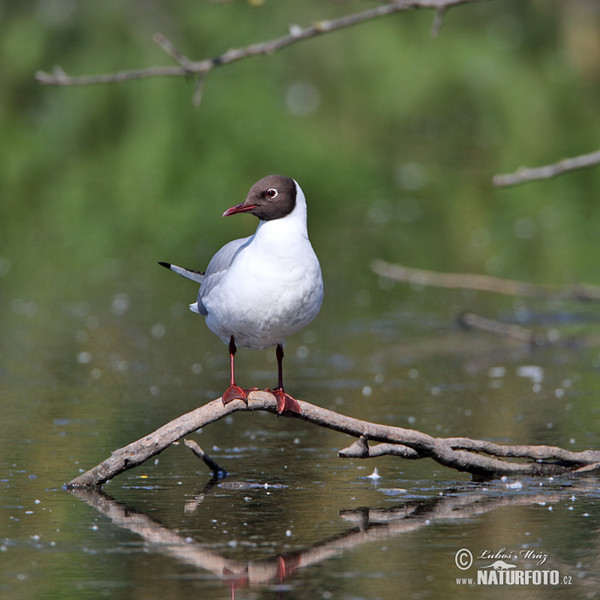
(394, 136)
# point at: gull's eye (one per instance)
(272, 193)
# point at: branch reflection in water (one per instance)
(368, 525)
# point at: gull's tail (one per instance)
(196, 276)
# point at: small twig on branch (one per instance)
(438, 20)
(483, 283)
(203, 67)
(484, 460)
(525, 174)
(199, 89)
(217, 471)
(361, 449)
(172, 51)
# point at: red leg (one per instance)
(285, 402)
(285, 567)
(233, 392)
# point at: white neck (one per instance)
(287, 229)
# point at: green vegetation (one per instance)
(395, 144)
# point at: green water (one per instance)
(394, 137)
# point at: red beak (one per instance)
(239, 208)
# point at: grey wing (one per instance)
(217, 267)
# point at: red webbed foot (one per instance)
(285, 402)
(234, 392)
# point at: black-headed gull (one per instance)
(260, 289)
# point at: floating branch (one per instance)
(470, 320)
(484, 460)
(525, 174)
(203, 67)
(483, 283)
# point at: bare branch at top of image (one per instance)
(202, 68)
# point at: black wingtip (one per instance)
(166, 265)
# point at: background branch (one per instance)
(483, 283)
(203, 67)
(525, 174)
(482, 459)
(470, 320)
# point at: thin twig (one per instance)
(438, 20)
(525, 174)
(217, 471)
(199, 89)
(484, 283)
(172, 51)
(480, 458)
(203, 67)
